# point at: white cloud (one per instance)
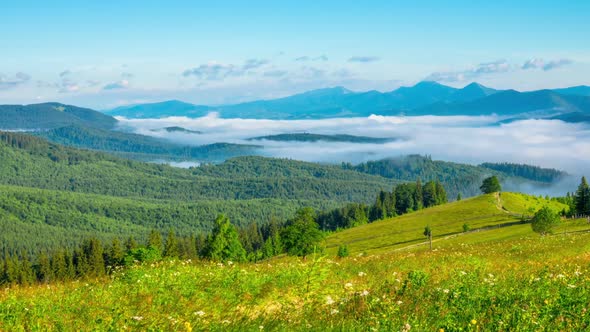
(499, 66)
(19, 78)
(537, 63)
(363, 59)
(122, 84)
(214, 71)
(457, 138)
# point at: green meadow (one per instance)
(489, 278)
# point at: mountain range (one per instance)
(424, 98)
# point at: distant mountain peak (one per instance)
(337, 90)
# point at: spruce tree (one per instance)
(155, 241)
(582, 198)
(44, 271)
(441, 194)
(59, 266)
(116, 254)
(418, 195)
(223, 243)
(171, 247)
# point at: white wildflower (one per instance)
(199, 313)
(362, 274)
(329, 300)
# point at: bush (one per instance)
(544, 221)
(343, 251)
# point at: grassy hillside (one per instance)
(445, 220)
(522, 283)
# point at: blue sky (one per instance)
(110, 53)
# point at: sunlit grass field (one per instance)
(495, 279)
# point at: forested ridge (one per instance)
(140, 146)
(457, 178)
(33, 162)
(51, 115)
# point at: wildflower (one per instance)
(473, 322)
(137, 318)
(188, 327)
(399, 302)
(446, 291)
(365, 293)
(329, 300)
(199, 313)
(362, 274)
(441, 330)
(348, 285)
(407, 327)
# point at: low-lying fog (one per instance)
(546, 143)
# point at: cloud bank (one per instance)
(546, 143)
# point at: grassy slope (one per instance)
(445, 220)
(522, 284)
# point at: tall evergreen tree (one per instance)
(93, 251)
(155, 241)
(130, 244)
(441, 194)
(582, 198)
(59, 266)
(44, 271)
(429, 194)
(223, 243)
(171, 247)
(116, 254)
(418, 195)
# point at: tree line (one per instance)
(298, 236)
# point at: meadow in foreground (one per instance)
(520, 281)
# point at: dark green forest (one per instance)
(457, 178)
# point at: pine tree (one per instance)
(441, 194)
(130, 244)
(44, 273)
(223, 243)
(155, 241)
(429, 194)
(171, 247)
(59, 266)
(582, 198)
(26, 274)
(94, 256)
(418, 195)
(116, 254)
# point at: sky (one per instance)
(104, 54)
